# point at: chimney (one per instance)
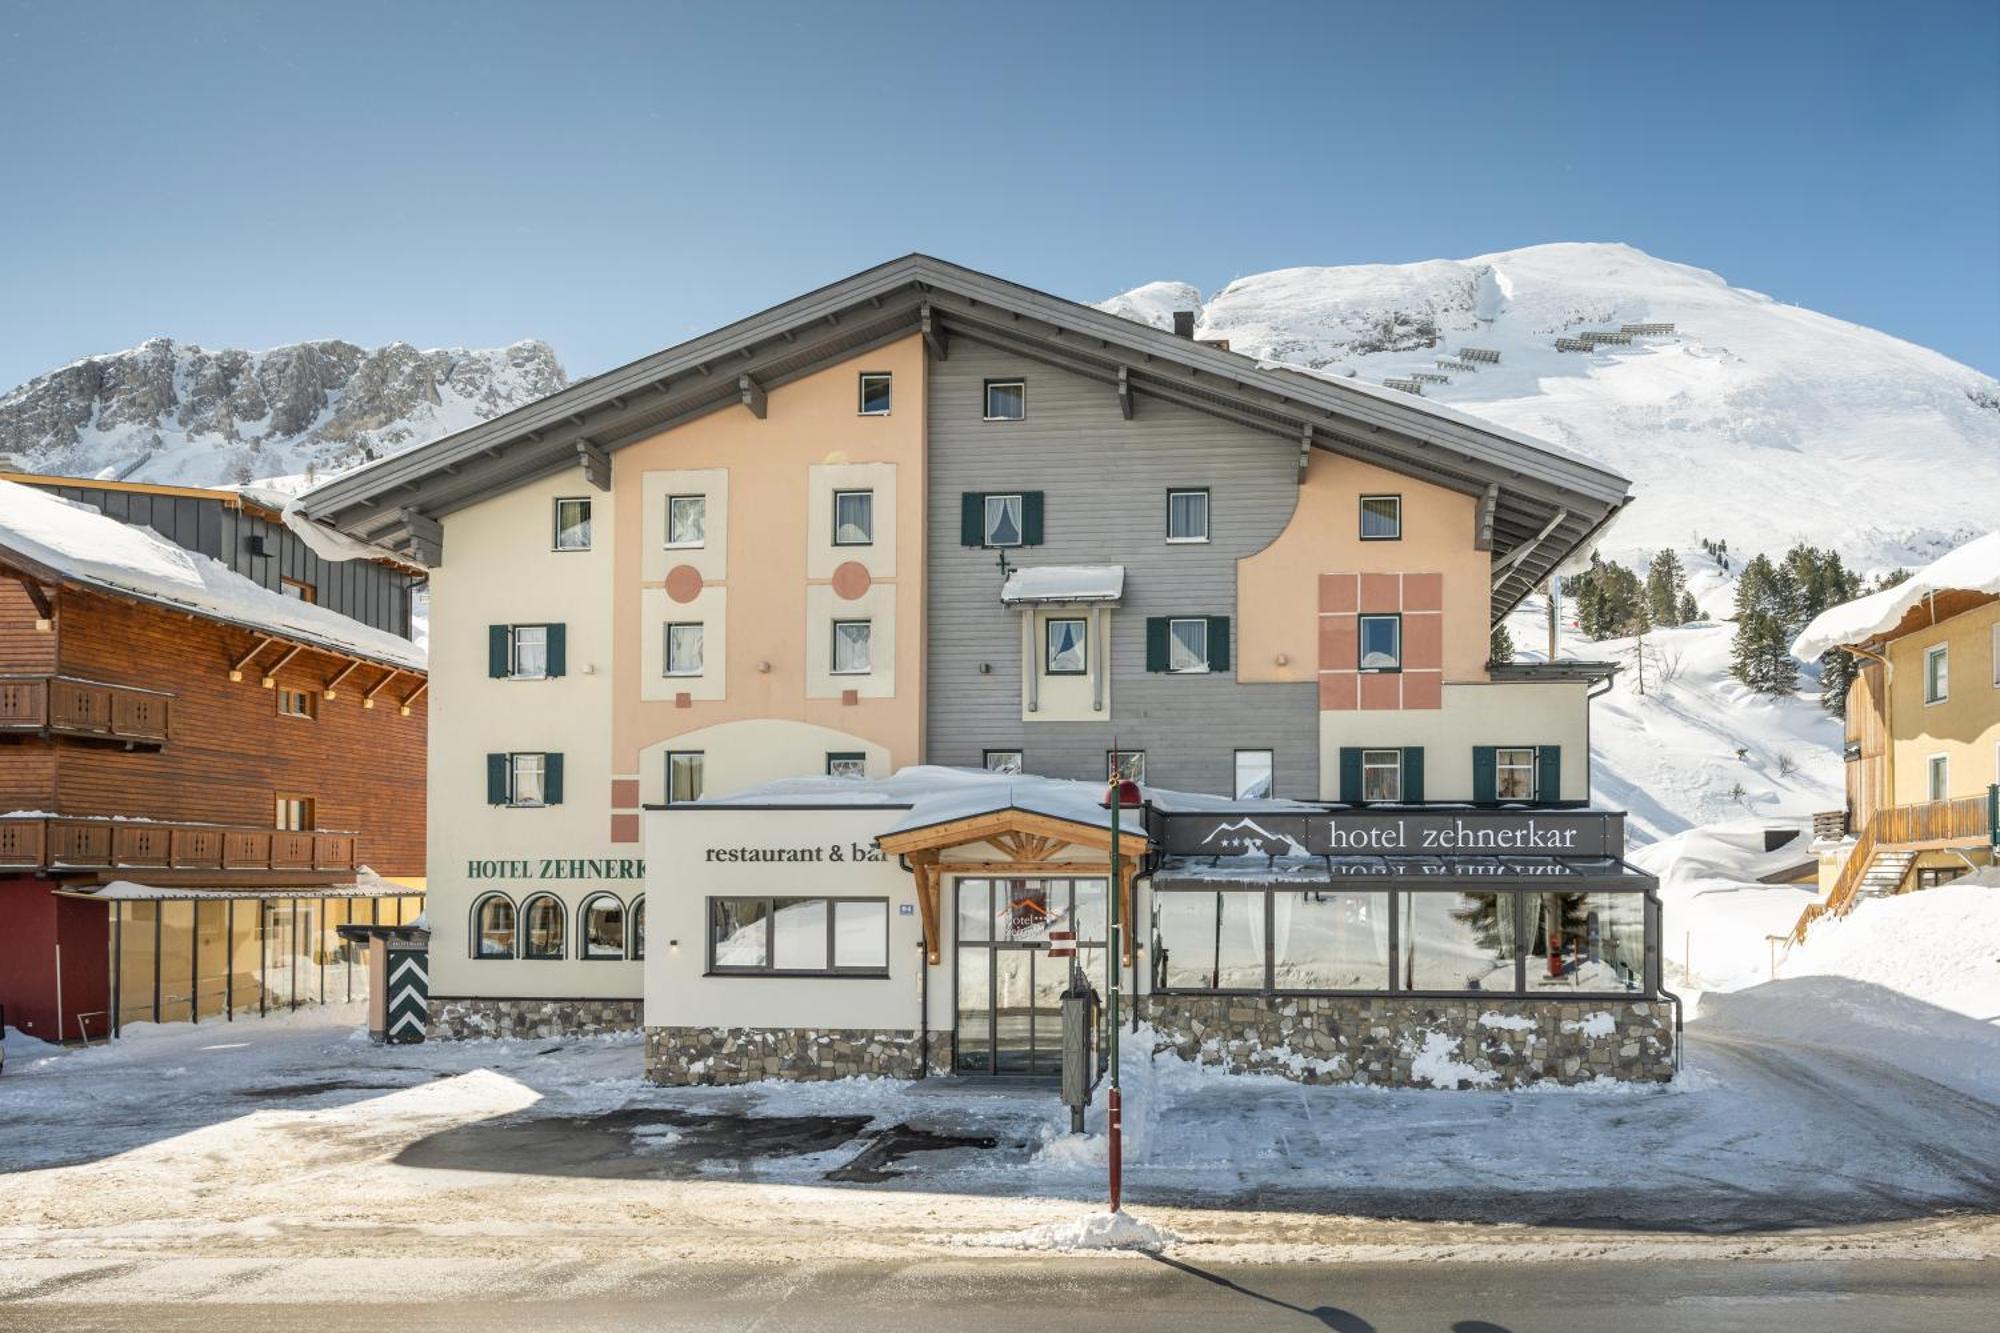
(1183, 323)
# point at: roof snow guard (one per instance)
(1541, 502)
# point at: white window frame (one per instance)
(514, 671)
(861, 399)
(583, 945)
(1361, 640)
(667, 649)
(865, 494)
(987, 502)
(1501, 766)
(1082, 646)
(1206, 506)
(541, 767)
(700, 775)
(986, 758)
(283, 807)
(1937, 674)
(309, 709)
(1937, 778)
(868, 649)
(1173, 642)
(1361, 519)
(556, 537)
(1270, 774)
(673, 545)
(1371, 761)
(986, 398)
(846, 764)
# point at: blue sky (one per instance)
(615, 177)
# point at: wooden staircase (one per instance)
(1885, 849)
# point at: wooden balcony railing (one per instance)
(54, 842)
(69, 706)
(1900, 826)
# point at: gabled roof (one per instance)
(1538, 503)
(1949, 585)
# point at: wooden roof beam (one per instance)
(753, 396)
(45, 610)
(596, 462)
(368, 699)
(332, 688)
(933, 332)
(1125, 392)
(1489, 504)
(270, 675)
(414, 695)
(236, 669)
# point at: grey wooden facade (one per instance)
(262, 550)
(1104, 480)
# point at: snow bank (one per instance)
(77, 542)
(1940, 946)
(1973, 567)
(1092, 1231)
(1065, 583)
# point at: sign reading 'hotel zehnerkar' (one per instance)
(1398, 833)
(558, 867)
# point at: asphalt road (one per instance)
(1134, 1292)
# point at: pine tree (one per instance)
(1502, 649)
(1688, 611)
(1666, 582)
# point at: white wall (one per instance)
(1504, 713)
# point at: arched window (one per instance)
(601, 926)
(639, 927)
(542, 927)
(493, 927)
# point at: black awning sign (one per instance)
(1592, 833)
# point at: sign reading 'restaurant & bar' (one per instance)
(1588, 833)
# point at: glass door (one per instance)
(1009, 990)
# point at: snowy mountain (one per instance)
(174, 412)
(1735, 415)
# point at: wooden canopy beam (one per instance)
(44, 608)
(236, 670)
(270, 673)
(925, 866)
(980, 828)
(332, 687)
(413, 696)
(368, 699)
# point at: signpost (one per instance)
(1122, 794)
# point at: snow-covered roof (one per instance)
(365, 884)
(79, 544)
(1065, 583)
(1973, 567)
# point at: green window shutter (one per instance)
(1156, 643)
(496, 650)
(1218, 643)
(1485, 774)
(551, 779)
(971, 519)
(1031, 518)
(496, 779)
(1350, 774)
(1413, 775)
(1549, 773)
(558, 649)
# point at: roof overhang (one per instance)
(1537, 504)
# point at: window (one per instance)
(1066, 653)
(1586, 941)
(1381, 775)
(684, 772)
(1937, 774)
(687, 520)
(297, 703)
(1456, 941)
(493, 927)
(1381, 643)
(528, 652)
(294, 814)
(1209, 941)
(850, 647)
(1187, 645)
(1381, 518)
(853, 518)
(1006, 400)
(601, 927)
(1125, 764)
(525, 778)
(297, 591)
(573, 525)
(1329, 941)
(875, 394)
(846, 764)
(683, 655)
(1253, 774)
(1514, 775)
(639, 928)
(1937, 673)
(542, 927)
(1187, 516)
(1003, 520)
(1002, 761)
(811, 936)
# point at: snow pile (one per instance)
(1065, 583)
(77, 542)
(1754, 421)
(1717, 916)
(1092, 1231)
(1436, 1063)
(1973, 567)
(1940, 946)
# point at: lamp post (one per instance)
(1122, 794)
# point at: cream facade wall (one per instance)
(1047, 697)
(1965, 726)
(501, 569)
(1503, 714)
(739, 755)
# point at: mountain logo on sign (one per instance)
(1246, 836)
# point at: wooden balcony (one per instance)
(53, 705)
(63, 843)
(1933, 822)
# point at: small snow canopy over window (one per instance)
(1064, 583)
(1973, 567)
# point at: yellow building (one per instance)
(1923, 729)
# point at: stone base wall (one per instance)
(745, 1055)
(458, 1018)
(1457, 1043)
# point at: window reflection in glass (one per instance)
(542, 922)
(1381, 775)
(1457, 941)
(1187, 645)
(496, 928)
(850, 647)
(1066, 655)
(1323, 940)
(1381, 643)
(603, 928)
(1586, 941)
(687, 520)
(853, 518)
(1514, 775)
(1253, 774)
(572, 525)
(798, 940)
(738, 934)
(1381, 517)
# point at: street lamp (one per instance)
(1120, 794)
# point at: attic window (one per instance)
(1006, 400)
